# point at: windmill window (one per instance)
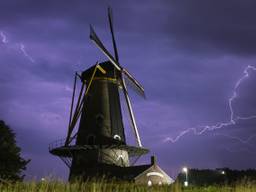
(99, 119)
(91, 140)
(120, 157)
(149, 183)
(117, 137)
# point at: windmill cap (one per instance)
(106, 66)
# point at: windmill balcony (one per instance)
(56, 144)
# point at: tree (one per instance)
(11, 163)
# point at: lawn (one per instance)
(58, 186)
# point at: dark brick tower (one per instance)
(98, 147)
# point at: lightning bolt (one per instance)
(23, 50)
(4, 38)
(233, 119)
(243, 141)
(16, 46)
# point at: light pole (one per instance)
(185, 170)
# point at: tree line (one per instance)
(220, 176)
(12, 164)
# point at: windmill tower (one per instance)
(99, 147)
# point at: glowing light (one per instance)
(185, 169)
(155, 174)
(233, 119)
(120, 157)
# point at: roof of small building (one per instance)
(155, 170)
(135, 172)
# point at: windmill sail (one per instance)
(128, 102)
(133, 83)
(99, 44)
(110, 18)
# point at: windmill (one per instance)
(99, 147)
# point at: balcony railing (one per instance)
(56, 144)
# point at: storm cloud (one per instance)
(189, 55)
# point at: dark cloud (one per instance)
(222, 25)
(187, 54)
(219, 25)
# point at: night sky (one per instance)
(195, 59)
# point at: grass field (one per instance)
(58, 186)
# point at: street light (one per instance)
(185, 170)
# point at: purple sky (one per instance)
(189, 55)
